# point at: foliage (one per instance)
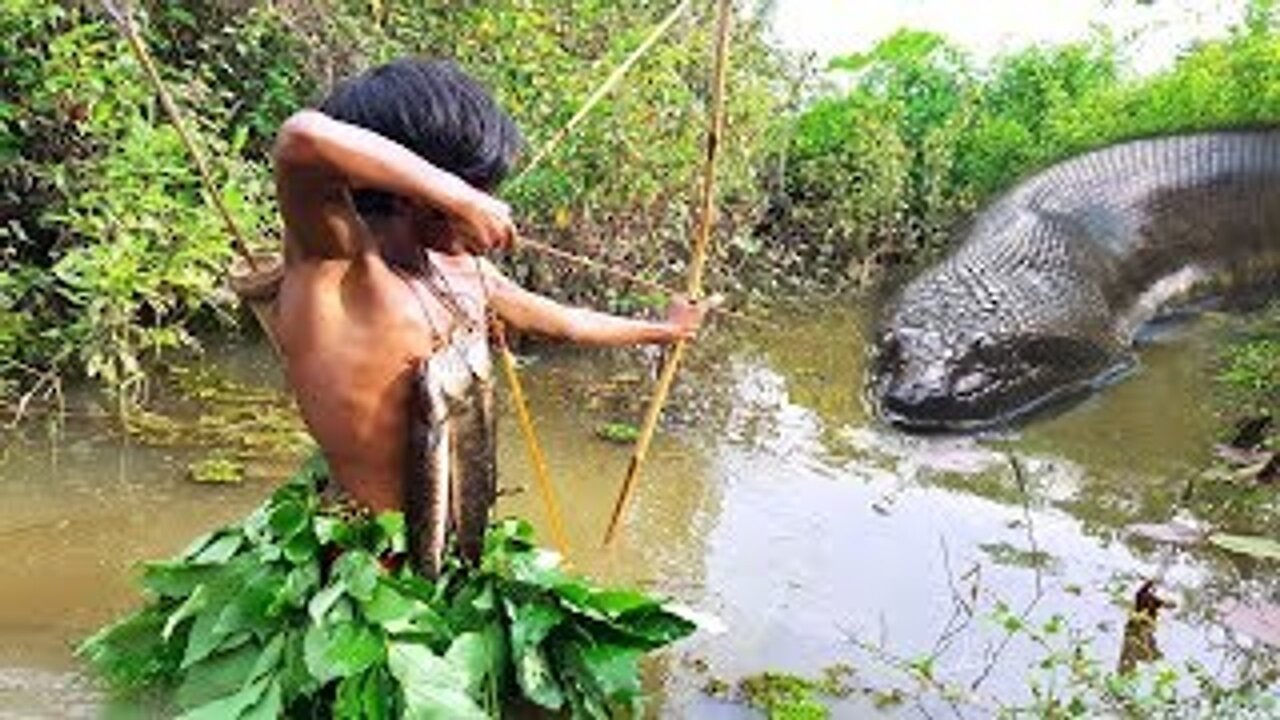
(301, 610)
(784, 696)
(883, 167)
(1248, 375)
(622, 433)
(112, 254)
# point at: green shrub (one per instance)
(935, 135)
(102, 207)
(122, 253)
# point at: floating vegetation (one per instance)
(1255, 546)
(217, 469)
(1003, 553)
(786, 696)
(251, 431)
(622, 433)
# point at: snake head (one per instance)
(925, 381)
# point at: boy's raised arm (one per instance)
(318, 160)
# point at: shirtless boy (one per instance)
(386, 194)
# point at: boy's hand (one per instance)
(686, 316)
(483, 223)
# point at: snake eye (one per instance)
(888, 354)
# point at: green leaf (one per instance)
(393, 528)
(268, 707)
(301, 548)
(295, 679)
(231, 706)
(387, 605)
(348, 702)
(218, 676)
(479, 657)
(199, 544)
(299, 585)
(288, 519)
(358, 571)
(341, 650)
(204, 639)
(271, 657)
(131, 652)
(604, 604)
(320, 604)
(177, 578)
(433, 688)
(248, 609)
(655, 625)
(379, 689)
(536, 678)
(220, 550)
(327, 529)
(614, 669)
(367, 696)
(1255, 546)
(530, 624)
(194, 603)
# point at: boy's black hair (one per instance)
(436, 110)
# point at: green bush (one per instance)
(934, 135)
(121, 253)
(112, 253)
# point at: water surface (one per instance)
(770, 500)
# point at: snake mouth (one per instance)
(938, 415)
(948, 415)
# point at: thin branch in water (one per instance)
(48, 385)
(994, 655)
(962, 612)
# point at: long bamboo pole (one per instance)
(120, 12)
(697, 265)
(610, 82)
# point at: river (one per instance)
(771, 500)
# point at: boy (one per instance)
(385, 195)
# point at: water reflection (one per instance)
(770, 499)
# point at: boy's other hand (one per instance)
(483, 223)
(686, 316)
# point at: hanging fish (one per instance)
(451, 467)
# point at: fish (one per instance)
(451, 460)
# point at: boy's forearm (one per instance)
(589, 327)
(367, 159)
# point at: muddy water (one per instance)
(771, 501)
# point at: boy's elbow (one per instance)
(297, 140)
